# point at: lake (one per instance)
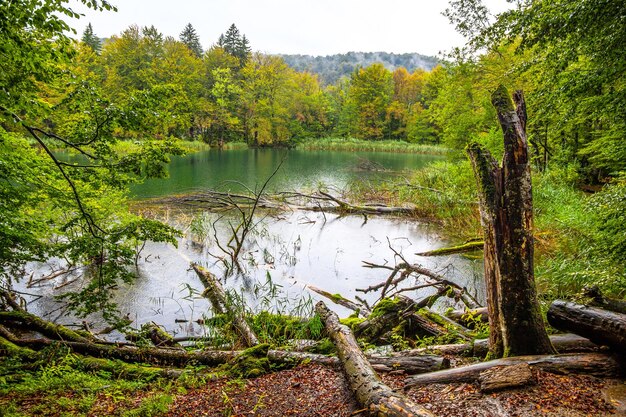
(286, 251)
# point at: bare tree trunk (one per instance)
(216, 295)
(505, 193)
(370, 391)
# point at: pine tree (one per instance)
(235, 44)
(91, 40)
(190, 38)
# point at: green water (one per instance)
(226, 169)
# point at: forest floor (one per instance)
(315, 390)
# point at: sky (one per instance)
(313, 27)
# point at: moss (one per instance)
(323, 347)
(352, 321)
(384, 306)
(251, 363)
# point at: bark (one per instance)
(505, 194)
(504, 377)
(216, 295)
(370, 391)
(596, 364)
(600, 326)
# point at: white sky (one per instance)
(313, 27)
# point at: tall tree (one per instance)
(190, 38)
(235, 44)
(91, 40)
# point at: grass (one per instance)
(577, 237)
(351, 144)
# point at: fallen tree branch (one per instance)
(369, 390)
(463, 248)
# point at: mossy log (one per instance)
(32, 322)
(596, 364)
(399, 314)
(216, 295)
(468, 317)
(370, 391)
(600, 326)
(471, 246)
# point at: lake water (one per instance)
(286, 251)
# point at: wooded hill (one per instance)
(331, 68)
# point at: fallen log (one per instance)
(563, 343)
(216, 295)
(597, 299)
(468, 317)
(500, 378)
(471, 246)
(369, 390)
(596, 364)
(600, 326)
(339, 299)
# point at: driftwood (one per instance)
(600, 326)
(216, 295)
(362, 310)
(596, 364)
(506, 211)
(369, 390)
(500, 378)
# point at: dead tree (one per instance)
(369, 390)
(505, 194)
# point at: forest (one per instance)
(527, 121)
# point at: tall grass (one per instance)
(351, 144)
(575, 244)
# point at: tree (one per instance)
(235, 44)
(515, 321)
(190, 38)
(91, 40)
(51, 207)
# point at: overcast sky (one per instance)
(313, 27)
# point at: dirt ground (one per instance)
(314, 390)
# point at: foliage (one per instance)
(190, 38)
(91, 40)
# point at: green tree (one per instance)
(235, 44)
(91, 40)
(190, 38)
(50, 207)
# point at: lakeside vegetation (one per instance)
(126, 106)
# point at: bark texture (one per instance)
(506, 216)
(600, 326)
(369, 390)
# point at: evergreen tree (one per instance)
(190, 38)
(91, 40)
(235, 44)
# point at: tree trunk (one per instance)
(600, 326)
(506, 216)
(369, 390)
(216, 295)
(597, 364)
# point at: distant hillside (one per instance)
(332, 67)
